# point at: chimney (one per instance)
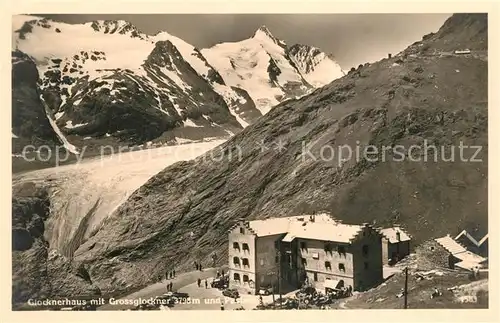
(389, 55)
(398, 236)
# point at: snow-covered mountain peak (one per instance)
(264, 30)
(117, 27)
(264, 34)
(87, 70)
(317, 67)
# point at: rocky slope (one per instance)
(54, 210)
(280, 166)
(108, 81)
(39, 273)
(30, 124)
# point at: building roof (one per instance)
(281, 225)
(475, 240)
(469, 257)
(336, 232)
(315, 227)
(391, 234)
(469, 260)
(450, 245)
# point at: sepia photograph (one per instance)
(169, 162)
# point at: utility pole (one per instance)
(406, 288)
(279, 271)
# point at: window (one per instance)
(328, 247)
(304, 262)
(236, 276)
(328, 265)
(365, 250)
(242, 230)
(236, 245)
(341, 250)
(262, 261)
(303, 246)
(245, 278)
(245, 247)
(315, 277)
(315, 255)
(245, 262)
(342, 267)
(366, 265)
(236, 261)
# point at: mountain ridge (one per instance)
(68, 69)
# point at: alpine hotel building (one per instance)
(310, 248)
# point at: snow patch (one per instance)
(58, 115)
(190, 123)
(69, 124)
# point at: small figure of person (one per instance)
(199, 282)
(206, 284)
(200, 267)
(166, 275)
(173, 272)
(222, 272)
(196, 265)
(218, 274)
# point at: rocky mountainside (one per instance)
(30, 124)
(108, 81)
(283, 164)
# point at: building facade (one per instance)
(285, 253)
(242, 255)
(395, 244)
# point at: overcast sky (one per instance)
(351, 38)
